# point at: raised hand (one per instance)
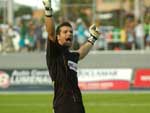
(94, 33)
(48, 8)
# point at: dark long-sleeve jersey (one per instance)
(62, 66)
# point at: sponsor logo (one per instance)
(30, 77)
(4, 80)
(72, 65)
(104, 79)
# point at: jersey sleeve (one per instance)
(53, 49)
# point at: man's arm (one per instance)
(85, 48)
(49, 21)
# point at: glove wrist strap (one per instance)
(48, 12)
(92, 40)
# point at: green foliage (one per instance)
(74, 8)
(23, 10)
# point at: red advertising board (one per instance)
(142, 78)
(105, 85)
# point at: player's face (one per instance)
(65, 37)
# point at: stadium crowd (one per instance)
(31, 36)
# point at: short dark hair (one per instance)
(62, 25)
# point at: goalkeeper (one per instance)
(62, 64)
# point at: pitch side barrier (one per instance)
(100, 70)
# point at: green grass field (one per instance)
(94, 103)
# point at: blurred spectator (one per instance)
(123, 38)
(129, 27)
(44, 35)
(80, 31)
(30, 39)
(101, 42)
(75, 45)
(7, 45)
(31, 35)
(23, 34)
(16, 39)
(147, 33)
(116, 38)
(38, 36)
(1, 40)
(139, 35)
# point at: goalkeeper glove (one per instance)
(94, 34)
(48, 9)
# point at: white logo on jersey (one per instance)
(72, 65)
